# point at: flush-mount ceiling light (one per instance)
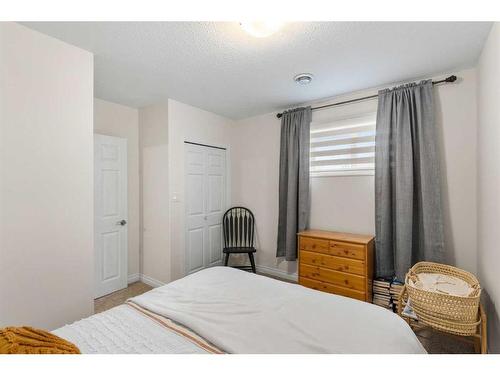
(303, 78)
(261, 29)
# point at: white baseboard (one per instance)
(151, 282)
(133, 278)
(260, 269)
(277, 273)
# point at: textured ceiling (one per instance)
(218, 67)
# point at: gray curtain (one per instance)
(408, 211)
(294, 202)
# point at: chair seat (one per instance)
(239, 250)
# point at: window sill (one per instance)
(343, 174)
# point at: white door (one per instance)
(110, 214)
(205, 204)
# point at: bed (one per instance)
(225, 310)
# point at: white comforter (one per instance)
(124, 330)
(240, 312)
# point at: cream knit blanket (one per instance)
(445, 284)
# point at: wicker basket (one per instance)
(449, 313)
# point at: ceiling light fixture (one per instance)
(303, 78)
(261, 29)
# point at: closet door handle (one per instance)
(121, 222)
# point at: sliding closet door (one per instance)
(195, 207)
(215, 203)
(205, 203)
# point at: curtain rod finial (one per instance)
(451, 78)
(279, 115)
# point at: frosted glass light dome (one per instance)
(261, 29)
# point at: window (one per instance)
(343, 147)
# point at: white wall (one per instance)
(456, 118)
(347, 203)
(255, 150)
(155, 221)
(163, 129)
(122, 121)
(187, 123)
(489, 181)
(46, 180)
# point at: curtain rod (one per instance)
(446, 80)
(204, 145)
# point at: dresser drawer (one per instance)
(313, 244)
(345, 280)
(347, 250)
(330, 288)
(357, 267)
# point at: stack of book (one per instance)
(382, 293)
(395, 290)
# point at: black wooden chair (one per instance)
(238, 227)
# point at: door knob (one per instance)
(121, 222)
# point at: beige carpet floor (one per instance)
(117, 298)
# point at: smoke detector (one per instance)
(303, 78)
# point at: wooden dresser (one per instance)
(339, 263)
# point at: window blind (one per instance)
(343, 147)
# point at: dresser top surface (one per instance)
(337, 236)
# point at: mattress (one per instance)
(223, 309)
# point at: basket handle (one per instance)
(411, 275)
(400, 299)
(476, 288)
